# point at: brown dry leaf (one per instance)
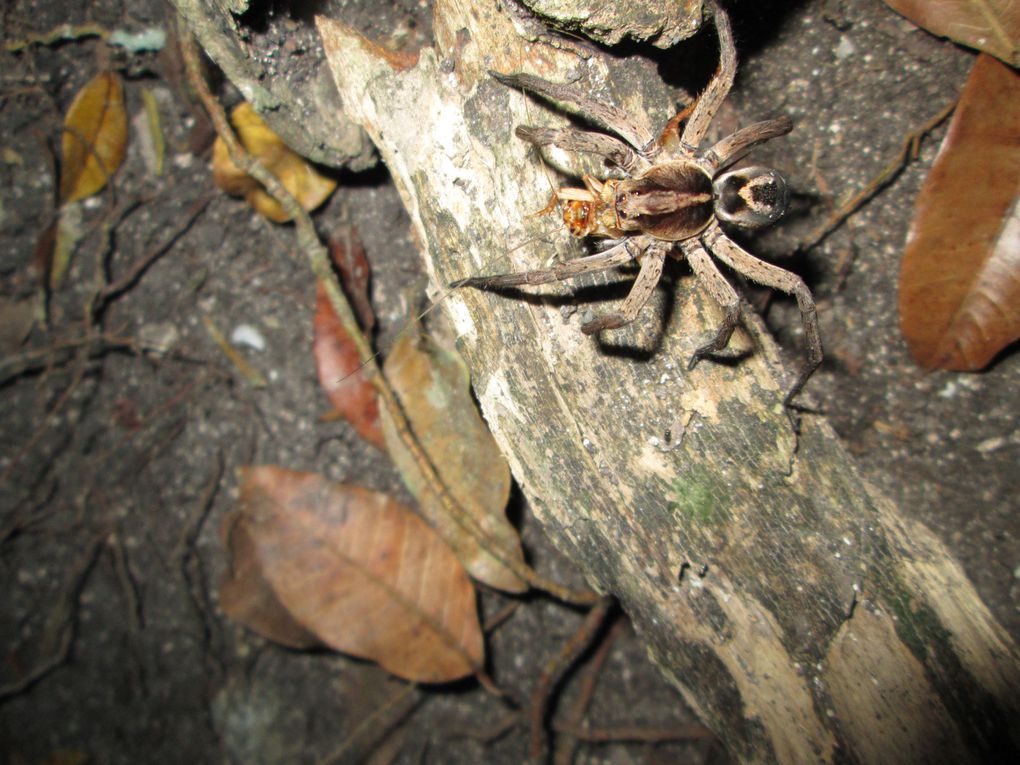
(342, 375)
(435, 393)
(245, 595)
(363, 573)
(989, 25)
(297, 175)
(960, 278)
(348, 255)
(94, 138)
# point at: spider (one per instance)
(671, 203)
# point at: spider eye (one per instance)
(752, 197)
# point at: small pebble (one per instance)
(247, 335)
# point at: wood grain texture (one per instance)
(758, 567)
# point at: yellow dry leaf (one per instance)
(297, 175)
(434, 389)
(95, 137)
(154, 145)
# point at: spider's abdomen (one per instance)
(671, 201)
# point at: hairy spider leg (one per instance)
(652, 260)
(709, 276)
(708, 103)
(768, 275)
(736, 145)
(610, 148)
(600, 261)
(605, 116)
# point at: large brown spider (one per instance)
(671, 203)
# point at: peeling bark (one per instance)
(801, 614)
(305, 113)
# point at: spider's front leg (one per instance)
(718, 88)
(772, 276)
(604, 115)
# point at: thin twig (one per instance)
(383, 717)
(687, 732)
(555, 668)
(185, 556)
(142, 264)
(908, 152)
(41, 358)
(566, 745)
(128, 585)
(308, 242)
(50, 417)
(250, 374)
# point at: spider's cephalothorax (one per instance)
(672, 203)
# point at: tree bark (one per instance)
(802, 615)
(302, 110)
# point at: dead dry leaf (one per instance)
(94, 138)
(245, 595)
(989, 25)
(434, 390)
(342, 375)
(363, 573)
(297, 175)
(348, 255)
(960, 278)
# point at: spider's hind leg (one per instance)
(721, 291)
(600, 261)
(648, 277)
(611, 149)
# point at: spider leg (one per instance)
(722, 292)
(603, 115)
(736, 145)
(772, 276)
(600, 261)
(582, 141)
(647, 278)
(711, 99)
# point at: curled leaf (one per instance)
(342, 375)
(960, 278)
(362, 573)
(94, 137)
(992, 26)
(435, 393)
(297, 175)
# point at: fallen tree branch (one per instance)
(804, 617)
